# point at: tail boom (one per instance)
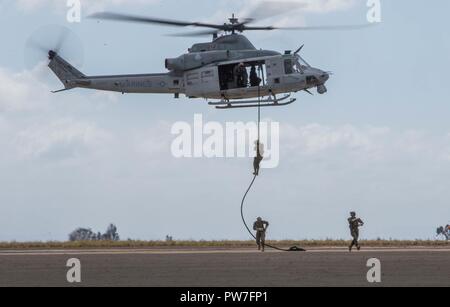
(63, 70)
(164, 83)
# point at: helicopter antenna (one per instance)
(299, 49)
(233, 20)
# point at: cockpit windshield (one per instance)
(301, 63)
(295, 65)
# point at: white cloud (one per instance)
(324, 6)
(314, 138)
(61, 140)
(153, 141)
(29, 91)
(365, 144)
(31, 124)
(21, 91)
(266, 8)
(279, 13)
(291, 12)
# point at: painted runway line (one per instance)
(216, 251)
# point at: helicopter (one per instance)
(216, 71)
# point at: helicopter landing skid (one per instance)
(239, 104)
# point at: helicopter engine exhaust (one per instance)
(196, 60)
(322, 89)
(175, 64)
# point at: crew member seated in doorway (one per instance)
(241, 75)
(254, 79)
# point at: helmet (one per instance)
(259, 219)
(353, 213)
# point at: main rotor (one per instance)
(234, 25)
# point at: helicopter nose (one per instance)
(324, 76)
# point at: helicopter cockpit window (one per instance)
(301, 64)
(292, 66)
(288, 67)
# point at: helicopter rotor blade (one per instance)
(241, 27)
(63, 34)
(234, 26)
(61, 39)
(55, 39)
(195, 34)
(270, 28)
(34, 44)
(141, 19)
(327, 28)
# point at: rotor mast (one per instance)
(233, 21)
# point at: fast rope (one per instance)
(291, 249)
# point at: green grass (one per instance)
(212, 244)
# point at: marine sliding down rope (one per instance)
(291, 249)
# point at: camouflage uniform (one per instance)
(259, 157)
(354, 224)
(241, 75)
(260, 227)
(257, 163)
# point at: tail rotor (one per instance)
(48, 41)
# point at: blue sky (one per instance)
(378, 142)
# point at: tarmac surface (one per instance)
(225, 267)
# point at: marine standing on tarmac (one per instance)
(260, 227)
(354, 224)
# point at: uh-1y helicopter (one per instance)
(218, 70)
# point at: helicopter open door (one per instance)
(259, 77)
(254, 75)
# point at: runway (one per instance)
(226, 267)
